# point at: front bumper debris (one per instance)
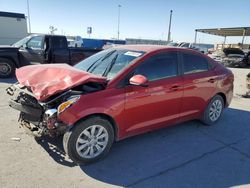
(37, 119)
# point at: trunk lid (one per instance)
(47, 80)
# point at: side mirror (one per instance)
(26, 46)
(23, 46)
(138, 80)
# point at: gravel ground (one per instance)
(186, 155)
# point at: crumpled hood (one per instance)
(47, 80)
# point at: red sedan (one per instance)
(118, 93)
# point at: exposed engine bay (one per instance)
(231, 57)
(41, 118)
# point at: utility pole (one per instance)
(28, 7)
(195, 36)
(243, 37)
(169, 28)
(118, 31)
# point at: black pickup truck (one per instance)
(39, 49)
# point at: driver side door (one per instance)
(159, 103)
(33, 52)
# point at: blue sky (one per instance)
(139, 18)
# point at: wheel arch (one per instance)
(224, 98)
(104, 116)
(12, 59)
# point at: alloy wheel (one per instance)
(92, 141)
(215, 110)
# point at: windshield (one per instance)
(21, 42)
(172, 44)
(108, 63)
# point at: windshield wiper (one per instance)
(108, 54)
(109, 67)
(95, 64)
(92, 65)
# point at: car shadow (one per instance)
(8, 80)
(165, 152)
(54, 147)
(140, 158)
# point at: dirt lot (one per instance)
(186, 155)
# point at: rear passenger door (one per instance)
(199, 82)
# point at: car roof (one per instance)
(48, 35)
(150, 48)
(144, 48)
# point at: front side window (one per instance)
(194, 63)
(35, 42)
(159, 66)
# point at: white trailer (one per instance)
(13, 27)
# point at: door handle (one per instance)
(212, 80)
(174, 88)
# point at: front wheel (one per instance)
(213, 111)
(89, 140)
(243, 64)
(7, 68)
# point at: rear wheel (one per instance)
(89, 140)
(214, 110)
(7, 68)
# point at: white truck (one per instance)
(75, 41)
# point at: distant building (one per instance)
(13, 27)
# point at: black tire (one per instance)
(7, 68)
(70, 139)
(207, 120)
(242, 64)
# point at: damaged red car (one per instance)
(118, 93)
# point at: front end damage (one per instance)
(38, 118)
(230, 57)
(45, 91)
(42, 118)
(233, 60)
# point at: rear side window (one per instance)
(159, 66)
(194, 63)
(60, 43)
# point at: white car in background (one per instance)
(75, 41)
(204, 48)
